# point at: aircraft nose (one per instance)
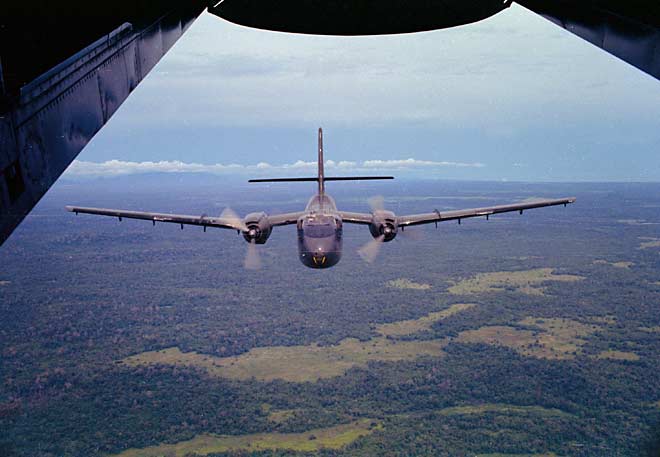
(319, 258)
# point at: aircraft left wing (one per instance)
(442, 216)
(234, 223)
(356, 218)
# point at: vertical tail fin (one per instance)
(321, 174)
(320, 177)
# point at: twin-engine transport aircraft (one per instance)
(320, 225)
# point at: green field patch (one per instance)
(501, 408)
(649, 242)
(526, 281)
(403, 283)
(294, 363)
(551, 454)
(555, 339)
(618, 355)
(313, 440)
(279, 416)
(622, 264)
(311, 362)
(605, 320)
(655, 329)
(409, 327)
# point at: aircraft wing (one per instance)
(441, 216)
(203, 221)
(284, 219)
(356, 218)
(65, 68)
(629, 30)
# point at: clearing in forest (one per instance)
(409, 327)
(501, 408)
(623, 264)
(650, 242)
(553, 338)
(313, 440)
(294, 363)
(311, 362)
(280, 416)
(551, 454)
(618, 355)
(404, 283)
(526, 281)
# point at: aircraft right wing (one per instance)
(442, 216)
(276, 220)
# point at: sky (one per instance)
(510, 98)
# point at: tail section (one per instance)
(320, 177)
(321, 174)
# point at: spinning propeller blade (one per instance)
(233, 219)
(370, 250)
(252, 257)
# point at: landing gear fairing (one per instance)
(320, 225)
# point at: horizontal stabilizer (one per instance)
(327, 178)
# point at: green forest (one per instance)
(533, 335)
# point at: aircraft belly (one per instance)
(364, 17)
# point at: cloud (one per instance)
(121, 167)
(414, 163)
(510, 71)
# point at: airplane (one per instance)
(67, 66)
(320, 225)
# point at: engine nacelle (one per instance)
(383, 224)
(258, 228)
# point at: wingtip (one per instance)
(69, 208)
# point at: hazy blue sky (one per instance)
(513, 97)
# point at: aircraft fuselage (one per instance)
(320, 233)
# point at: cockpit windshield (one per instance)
(319, 230)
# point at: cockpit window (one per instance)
(319, 230)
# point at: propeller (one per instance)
(252, 257)
(233, 219)
(370, 250)
(377, 203)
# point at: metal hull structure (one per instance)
(320, 251)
